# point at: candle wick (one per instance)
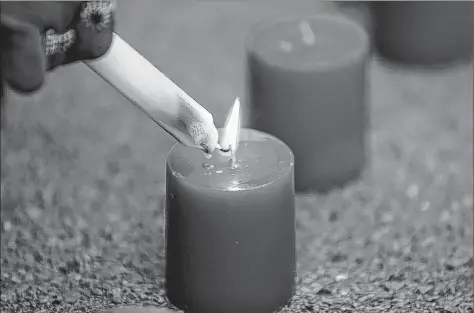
(232, 159)
(307, 33)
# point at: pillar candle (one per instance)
(306, 84)
(230, 230)
(424, 32)
(359, 12)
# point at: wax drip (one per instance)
(208, 166)
(307, 33)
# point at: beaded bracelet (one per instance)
(95, 15)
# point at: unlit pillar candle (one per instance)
(424, 32)
(307, 86)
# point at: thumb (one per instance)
(23, 61)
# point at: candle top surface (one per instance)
(259, 160)
(305, 43)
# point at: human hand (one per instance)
(38, 36)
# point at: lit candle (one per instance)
(306, 85)
(231, 226)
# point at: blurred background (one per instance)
(200, 46)
(82, 171)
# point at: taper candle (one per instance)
(307, 86)
(156, 95)
(230, 231)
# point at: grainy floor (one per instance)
(82, 180)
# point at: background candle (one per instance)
(424, 32)
(231, 232)
(306, 85)
(359, 12)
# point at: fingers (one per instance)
(23, 61)
(43, 14)
(91, 33)
(39, 36)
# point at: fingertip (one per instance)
(23, 61)
(25, 87)
(25, 73)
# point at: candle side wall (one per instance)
(320, 113)
(323, 118)
(230, 251)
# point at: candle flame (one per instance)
(230, 135)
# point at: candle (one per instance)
(306, 85)
(424, 32)
(156, 95)
(359, 12)
(231, 227)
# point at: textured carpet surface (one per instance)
(82, 180)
